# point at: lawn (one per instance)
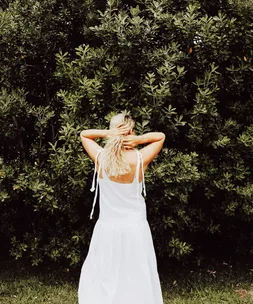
(222, 284)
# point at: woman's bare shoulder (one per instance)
(130, 156)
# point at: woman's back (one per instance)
(131, 157)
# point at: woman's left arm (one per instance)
(88, 136)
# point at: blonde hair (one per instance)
(113, 161)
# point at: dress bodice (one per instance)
(119, 201)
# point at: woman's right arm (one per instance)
(154, 141)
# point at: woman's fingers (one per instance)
(120, 130)
(127, 142)
(124, 130)
(122, 126)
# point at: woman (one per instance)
(120, 267)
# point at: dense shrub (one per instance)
(181, 67)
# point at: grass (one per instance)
(21, 286)
(217, 285)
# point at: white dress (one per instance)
(121, 266)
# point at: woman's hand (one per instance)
(130, 141)
(119, 130)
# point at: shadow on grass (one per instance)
(216, 283)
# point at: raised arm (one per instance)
(88, 142)
(88, 136)
(154, 140)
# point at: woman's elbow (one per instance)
(82, 133)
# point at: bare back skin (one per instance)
(131, 157)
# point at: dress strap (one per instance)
(104, 174)
(93, 181)
(137, 171)
(140, 161)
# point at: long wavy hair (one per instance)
(113, 161)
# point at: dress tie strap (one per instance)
(140, 158)
(143, 176)
(93, 182)
(137, 172)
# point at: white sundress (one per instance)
(121, 266)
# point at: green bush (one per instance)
(181, 67)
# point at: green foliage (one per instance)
(180, 67)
